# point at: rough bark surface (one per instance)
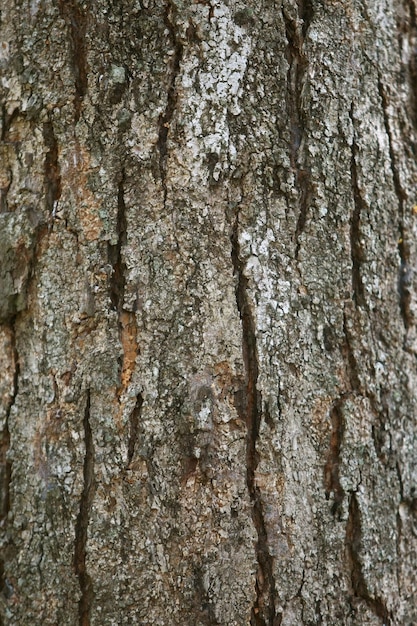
(208, 339)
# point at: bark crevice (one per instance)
(412, 64)
(359, 206)
(295, 32)
(81, 529)
(249, 407)
(332, 467)
(353, 544)
(114, 253)
(117, 287)
(166, 116)
(76, 20)
(6, 464)
(52, 170)
(134, 422)
(352, 364)
(403, 247)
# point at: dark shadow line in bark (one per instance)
(403, 246)
(353, 544)
(412, 63)
(126, 319)
(5, 463)
(114, 251)
(76, 20)
(134, 423)
(297, 66)
(332, 467)
(359, 207)
(166, 116)
(352, 365)
(52, 170)
(83, 519)
(249, 407)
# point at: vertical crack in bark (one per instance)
(403, 248)
(5, 463)
(81, 529)
(412, 64)
(356, 250)
(76, 20)
(126, 319)
(331, 469)
(134, 421)
(6, 121)
(298, 62)
(52, 170)
(306, 13)
(166, 117)
(352, 365)
(263, 610)
(353, 548)
(114, 252)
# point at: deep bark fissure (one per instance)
(297, 67)
(134, 422)
(77, 23)
(332, 467)
(81, 529)
(7, 121)
(117, 279)
(263, 610)
(359, 206)
(353, 548)
(352, 365)
(126, 319)
(7, 181)
(412, 65)
(403, 250)
(52, 171)
(165, 118)
(306, 13)
(5, 463)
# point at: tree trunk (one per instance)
(208, 313)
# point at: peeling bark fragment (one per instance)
(81, 529)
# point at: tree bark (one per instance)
(208, 312)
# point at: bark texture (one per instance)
(208, 312)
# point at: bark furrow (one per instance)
(81, 529)
(263, 611)
(355, 231)
(76, 20)
(353, 549)
(403, 246)
(297, 67)
(166, 117)
(6, 465)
